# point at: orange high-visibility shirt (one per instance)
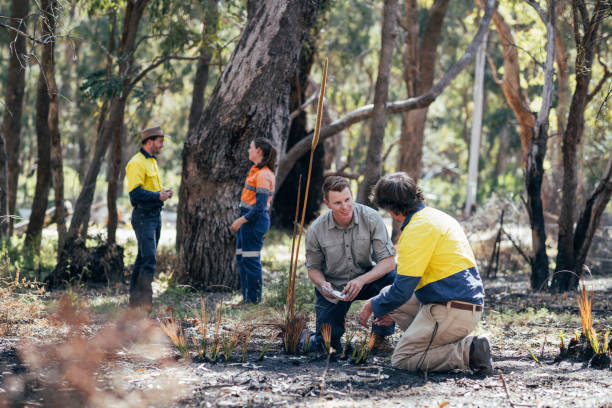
(259, 181)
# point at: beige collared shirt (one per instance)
(342, 254)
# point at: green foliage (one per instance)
(98, 85)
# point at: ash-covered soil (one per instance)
(148, 371)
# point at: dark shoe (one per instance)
(304, 344)
(381, 344)
(480, 356)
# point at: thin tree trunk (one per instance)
(572, 138)
(4, 213)
(251, 99)
(209, 29)
(472, 184)
(537, 152)
(51, 9)
(115, 164)
(15, 87)
(43, 170)
(381, 95)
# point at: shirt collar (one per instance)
(146, 155)
(419, 207)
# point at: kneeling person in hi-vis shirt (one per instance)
(437, 297)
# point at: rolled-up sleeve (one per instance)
(381, 242)
(314, 255)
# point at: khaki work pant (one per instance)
(435, 336)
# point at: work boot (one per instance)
(304, 344)
(480, 356)
(381, 344)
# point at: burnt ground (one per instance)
(50, 365)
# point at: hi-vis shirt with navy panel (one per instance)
(143, 181)
(257, 192)
(435, 261)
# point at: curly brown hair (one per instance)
(397, 192)
(334, 183)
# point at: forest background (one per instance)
(499, 110)
(81, 78)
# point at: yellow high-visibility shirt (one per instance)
(142, 171)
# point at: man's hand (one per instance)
(352, 289)
(327, 288)
(365, 313)
(238, 223)
(384, 320)
(165, 194)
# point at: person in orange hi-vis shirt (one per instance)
(254, 220)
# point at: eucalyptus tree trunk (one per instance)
(51, 9)
(373, 166)
(472, 183)
(419, 60)
(569, 267)
(250, 100)
(43, 170)
(14, 91)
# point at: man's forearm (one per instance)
(317, 277)
(379, 270)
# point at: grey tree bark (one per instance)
(373, 166)
(250, 100)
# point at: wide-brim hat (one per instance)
(152, 132)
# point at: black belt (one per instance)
(462, 306)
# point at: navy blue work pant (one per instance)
(147, 226)
(335, 313)
(249, 242)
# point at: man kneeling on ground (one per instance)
(438, 296)
(349, 253)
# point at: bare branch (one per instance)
(26, 35)
(155, 64)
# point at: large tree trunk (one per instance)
(420, 58)
(250, 100)
(572, 138)
(115, 165)
(43, 170)
(15, 86)
(373, 166)
(51, 9)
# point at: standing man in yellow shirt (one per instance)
(147, 196)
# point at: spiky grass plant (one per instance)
(215, 346)
(605, 346)
(365, 349)
(326, 334)
(292, 330)
(199, 347)
(202, 319)
(245, 344)
(174, 330)
(350, 334)
(562, 345)
(229, 344)
(585, 303)
(264, 350)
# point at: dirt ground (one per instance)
(53, 366)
